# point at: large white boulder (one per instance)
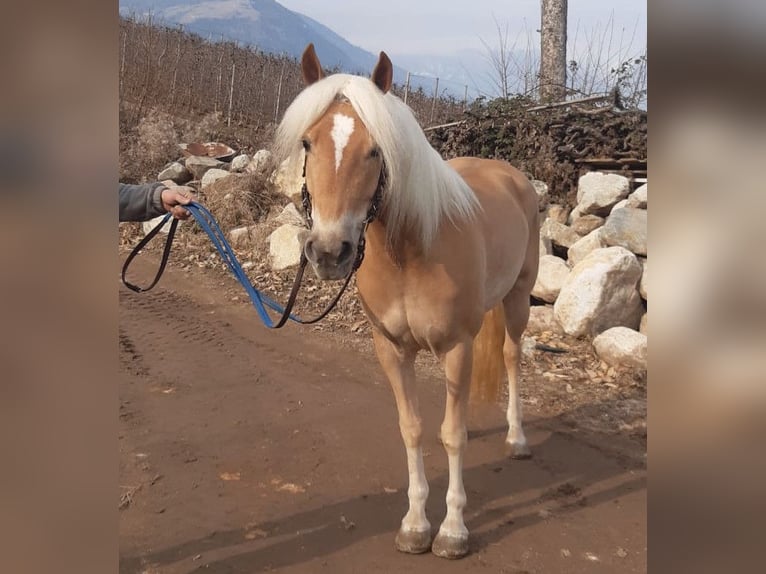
(285, 245)
(600, 292)
(638, 198)
(622, 347)
(176, 172)
(291, 215)
(587, 223)
(198, 165)
(541, 319)
(242, 237)
(558, 213)
(261, 162)
(288, 178)
(626, 227)
(582, 247)
(558, 233)
(240, 163)
(598, 192)
(213, 175)
(642, 285)
(551, 275)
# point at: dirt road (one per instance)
(245, 450)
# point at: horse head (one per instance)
(344, 175)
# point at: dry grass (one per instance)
(241, 199)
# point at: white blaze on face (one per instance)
(342, 128)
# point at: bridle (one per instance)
(372, 212)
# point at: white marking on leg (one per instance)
(415, 520)
(511, 350)
(515, 431)
(453, 525)
(342, 128)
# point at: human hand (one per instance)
(173, 198)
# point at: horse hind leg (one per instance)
(516, 305)
(452, 539)
(414, 536)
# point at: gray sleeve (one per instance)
(140, 202)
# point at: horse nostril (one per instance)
(345, 252)
(308, 249)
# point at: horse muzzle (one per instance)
(331, 260)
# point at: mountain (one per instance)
(264, 24)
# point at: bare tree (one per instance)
(500, 59)
(553, 50)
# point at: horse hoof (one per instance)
(450, 547)
(517, 450)
(413, 542)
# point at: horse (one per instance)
(450, 259)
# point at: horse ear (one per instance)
(383, 74)
(310, 66)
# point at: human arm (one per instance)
(149, 200)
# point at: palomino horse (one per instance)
(454, 246)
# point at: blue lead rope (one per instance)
(260, 301)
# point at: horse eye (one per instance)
(375, 152)
(306, 145)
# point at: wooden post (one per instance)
(122, 59)
(407, 87)
(433, 103)
(465, 98)
(220, 76)
(279, 92)
(231, 92)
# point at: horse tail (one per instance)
(488, 365)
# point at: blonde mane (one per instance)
(421, 189)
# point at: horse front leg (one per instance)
(452, 539)
(414, 535)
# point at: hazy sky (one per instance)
(448, 26)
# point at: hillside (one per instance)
(262, 24)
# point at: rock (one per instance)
(546, 247)
(626, 227)
(147, 226)
(199, 164)
(598, 192)
(242, 237)
(642, 284)
(240, 163)
(288, 178)
(619, 205)
(558, 213)
(291, 215)
(176, 172)
(558, 233)
(541, 188)
(642, 325)
(582, 247)
(551, 275)
(285, 245)
(600, 293)
(541, 319)
(212, 175)
(574, 215)
(620, 346)
(528, 346)
(261, 162)
(587, 223)
(638, 198)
